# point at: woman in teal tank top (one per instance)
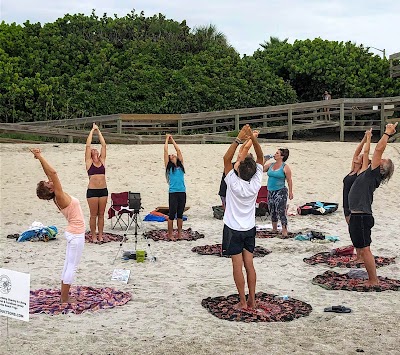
(175, 174)
(279, 172)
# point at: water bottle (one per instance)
(268, 156)
(282, 298)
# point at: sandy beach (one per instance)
(165, 315)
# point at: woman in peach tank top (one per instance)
(72, 211)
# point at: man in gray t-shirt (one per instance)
(361, 195)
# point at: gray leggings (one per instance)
(277, 201)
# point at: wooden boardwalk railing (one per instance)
(344, 115)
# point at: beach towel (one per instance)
(273, 234)
(155, 216)
(162, 234)
(39, 234)
(344, 261)
(317, 208)
(332, 280)
(216, 249)
(269, 309)
(107, 237)
(88, 299)
(317, 237)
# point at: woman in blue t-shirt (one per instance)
(175, 174)
(277, 173)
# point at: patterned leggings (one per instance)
(277, 201)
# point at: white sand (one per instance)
(165, 315)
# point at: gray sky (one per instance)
(246, 23)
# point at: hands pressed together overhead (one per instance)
(36, 152)
(391, 128)
(246, 133)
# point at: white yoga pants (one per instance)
(75, 244)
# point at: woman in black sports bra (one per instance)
(97, 193)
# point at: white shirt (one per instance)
(241, 195)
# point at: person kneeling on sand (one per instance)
(239, 232)
(360, 202)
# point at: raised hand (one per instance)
(244, 133)
(256, 133)
(368, 133)
(95, 127)
(391, 128)
(36, 152)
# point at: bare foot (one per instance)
(94, 238)
(101, 240)
(239, 306)
(251, 304)
(370, 283)
(69, 300)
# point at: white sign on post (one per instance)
(14, 294)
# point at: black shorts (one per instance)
(346, 212)
(96, 193)
(360, 229)
(233, 242)
(177, 202)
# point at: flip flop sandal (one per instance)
(337, 309)
(13, 236)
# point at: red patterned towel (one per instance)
(107, 237)
(347, 261)
(268, 308)
(216, 249)
(162, 234)
(87, 299)
(334, 281)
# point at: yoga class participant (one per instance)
(175, 175)
(97, 193)
(277, 173)
(71, 209)
(243, 151)
(239, 231)
(349, 179)
(361, 195)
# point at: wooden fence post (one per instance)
(119, 125)
(179, 126)
(265, 123)
(341, 138)
(290, 124)
(70, 139)
(382, 118)
(214, 125)
(237, 123)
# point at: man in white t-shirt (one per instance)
(239, 233)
